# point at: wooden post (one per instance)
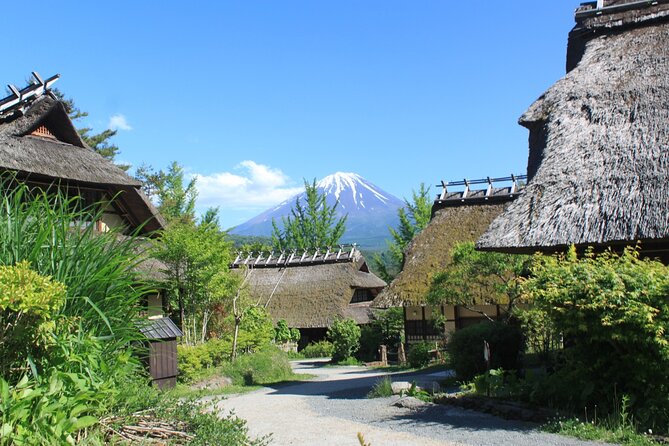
(424, 324)
(401, 355)
(383, 353)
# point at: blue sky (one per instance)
(253, 96)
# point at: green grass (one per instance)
(624, 435)
(382, 389)
(186, 391)
(348, 361)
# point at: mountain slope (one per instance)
(370, 210)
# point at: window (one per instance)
(361, 295)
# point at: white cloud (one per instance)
(254, 186)
(118, 122)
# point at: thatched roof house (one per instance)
(456, 217)
(598, 163)
(39, 142)
(310, 290)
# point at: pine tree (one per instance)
(414, 217)
(313, 224)
(100, 142)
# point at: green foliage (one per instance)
(95, 269)
(174, 195)
(476, 277)
(186, 413)
(383, 388)
(613, 312)
(209, 428)
(256, 329)
(295, 334)
(320, 349)
(267, 366)
(413, 218)
(497, 383)
(416, 392)
(28, 302)
(419, 354)
(617, 428)
(386, 328)
(312, 226)
(283, 334)
(198, 259)
(465, 347)
(50, 410)
(345, 336)
(370, 342)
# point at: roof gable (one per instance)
(51, 118)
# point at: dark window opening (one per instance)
(362, 295)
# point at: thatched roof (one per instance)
(64, 158)
(599, 140)
(313, 295)
(429, 251)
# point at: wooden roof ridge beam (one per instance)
(18, 97)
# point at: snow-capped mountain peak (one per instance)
(339, 182)
(370, 210)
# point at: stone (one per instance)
(409, 402)
(215, 382)
(400, 386)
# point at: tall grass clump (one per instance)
(382, 388)
(69, 312)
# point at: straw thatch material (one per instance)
(429, 252)
(313, 296)
(67, 160)
(599, 143)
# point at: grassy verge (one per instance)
(621, 434)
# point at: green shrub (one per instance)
(345, 336)
(195, 360)
(267, 366)
(386, 328)
(419, 354)
(191, 360)
(465, 348)
(370, 341)
(284, 334)
(613, 313)
(28, 302)
(320, 349)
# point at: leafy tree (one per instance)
(256, 329)
(312, 225)
(475, 277)
(198, 258)
(100, 142)
(414, 217)
(174, 194)
(345, 336)
(613, 313)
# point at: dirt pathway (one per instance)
(331, 409)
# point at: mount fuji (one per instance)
(370, 210)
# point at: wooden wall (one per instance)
(419, 326)
(163, 362)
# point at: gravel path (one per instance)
(331, 409)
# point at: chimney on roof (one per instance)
(611, 16)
